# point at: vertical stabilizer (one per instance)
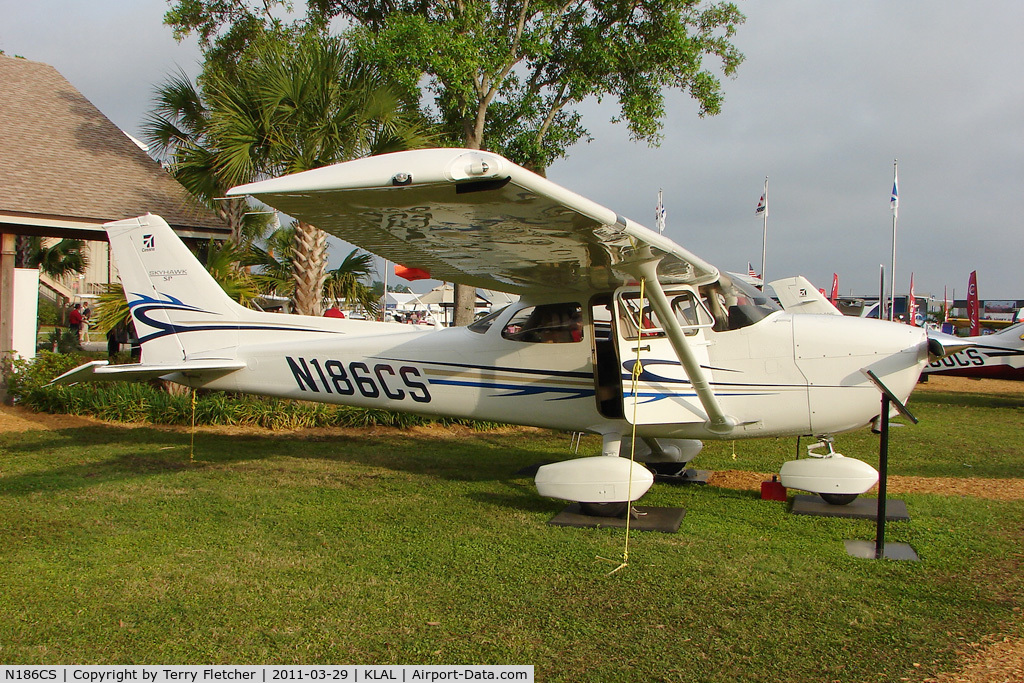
(178, 308)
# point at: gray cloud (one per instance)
(829, 95)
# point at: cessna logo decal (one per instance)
(148, 243)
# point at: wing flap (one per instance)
(475, 218)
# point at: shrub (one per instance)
(48, 313)
(62, 341)
(142, 402)
(26, 376)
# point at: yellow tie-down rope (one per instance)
(635, 381)
(192, 445)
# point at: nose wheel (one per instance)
(838, 498)
(617, 509)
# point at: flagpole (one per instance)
(881, 292)
(894, 203)
(764, 235)
(384, 312)
(659, 214)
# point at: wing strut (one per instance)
(645, 267)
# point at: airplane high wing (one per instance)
(618, 331)
(474, 218)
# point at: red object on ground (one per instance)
(773, 490)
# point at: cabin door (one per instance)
(659, 392)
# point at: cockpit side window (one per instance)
(637, 319)
(546, 324)
(483, 324)
(735, 304)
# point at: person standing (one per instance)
(86, 321)
(75, 321)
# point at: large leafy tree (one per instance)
(506, 75)
(291, 102)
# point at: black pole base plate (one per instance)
(665, 520)
(861, 508)
(867, 550)
(666, 473)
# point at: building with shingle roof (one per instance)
(66, 168)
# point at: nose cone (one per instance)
(833, 351)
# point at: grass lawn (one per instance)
(425, 548)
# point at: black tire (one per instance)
(838, 498)
(605, 509)
(666, 469)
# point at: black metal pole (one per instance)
(883, 467)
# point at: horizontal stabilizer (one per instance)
(101, 371)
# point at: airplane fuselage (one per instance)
(783, 375)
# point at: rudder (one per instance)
(177, 306)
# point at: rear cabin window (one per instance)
(546, 324)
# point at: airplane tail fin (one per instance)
(177, 307)
(798, 295)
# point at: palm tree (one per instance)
(348, 282)
(272, 262)
(59, 259)
(298, 105)
(290, 103)
(222, 259)
(178, 129)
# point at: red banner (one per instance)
(973, 310)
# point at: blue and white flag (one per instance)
(894, 201)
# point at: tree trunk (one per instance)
(310, 268)
(233, 212)
(465, 305)
(464, 309)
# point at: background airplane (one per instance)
(995, 356)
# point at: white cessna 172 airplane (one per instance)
(616, 326)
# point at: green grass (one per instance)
(959, 435)
(395, 549)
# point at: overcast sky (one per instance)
(829, 95)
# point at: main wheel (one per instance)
(838, 498)
(604, 509)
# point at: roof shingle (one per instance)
(61, 157)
